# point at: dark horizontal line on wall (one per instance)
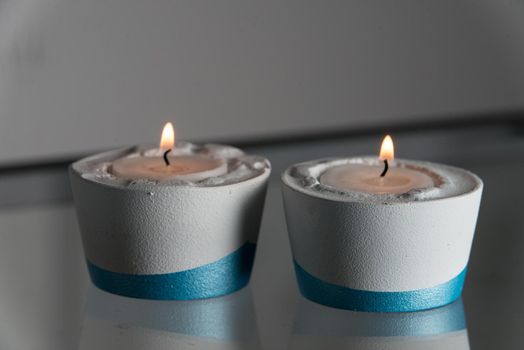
(512, 119)
(48, 164)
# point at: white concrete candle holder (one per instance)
(381, 252)
(170, 239)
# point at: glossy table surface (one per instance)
(47, 301)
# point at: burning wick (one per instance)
(387, 152)
(167, 160)
(167, 141)
(381, 175)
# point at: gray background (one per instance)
(79, 76)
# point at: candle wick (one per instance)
(165, 157)
(385, 168)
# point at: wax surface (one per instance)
(366, 178)
(181, 167)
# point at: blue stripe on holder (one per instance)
(221, 277)
(360, 300)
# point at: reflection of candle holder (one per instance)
(317, 327)
(381, 252)
(174, 240)
(115, 322)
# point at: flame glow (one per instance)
(167, 141)
(387, 151)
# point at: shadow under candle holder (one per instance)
(317, 326)
(115, 322)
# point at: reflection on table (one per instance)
(115, 322)
(317, 327)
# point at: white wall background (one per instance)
(78, 76)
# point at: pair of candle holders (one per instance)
(178, 242)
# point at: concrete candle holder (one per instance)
(381, 252)
(175, 239)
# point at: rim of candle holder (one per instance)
(477, 182)
(111, 155)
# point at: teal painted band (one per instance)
(341, 297)
(221, 277)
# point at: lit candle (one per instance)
(379, 234)
(165, 163)
(179, 221)
(371, 178)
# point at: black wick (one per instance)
(385, 168)
(165, 157)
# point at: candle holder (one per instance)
(381, 252)
(175, 240)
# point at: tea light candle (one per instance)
(160, 165)
(378, 233)
(372, 179)
(179, 221)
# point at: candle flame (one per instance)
(167, 141)
(387, 151)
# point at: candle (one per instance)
(178, 222)
(380, 234)
(370, 178)
(167, 163)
